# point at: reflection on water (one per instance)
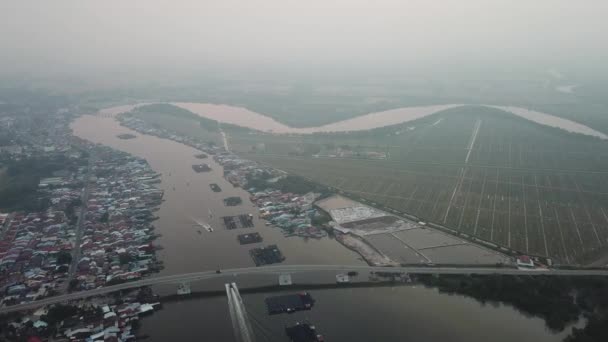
(362, 314)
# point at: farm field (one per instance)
(480, 171)
(477, 170)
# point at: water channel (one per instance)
(362, 314)
(246, 118)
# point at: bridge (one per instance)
(294, 269)
(241, 324)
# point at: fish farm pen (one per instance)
(245, 239)
(240, 221)
(232, 201)
(266, 255)
(289, 303)
(303, 332)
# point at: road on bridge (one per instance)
(292, 269)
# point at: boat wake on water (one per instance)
(203, 224)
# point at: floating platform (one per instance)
(245, 239)
(215, 187)
(240, 221)
(303, 332)
(232, 201)
(289, 303)
(266, 255)
(201, 168)
(126, 136)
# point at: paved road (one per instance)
(292, 269)
(225, 138)
(80, 222)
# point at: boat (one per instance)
(201, 168)
(203, 224)
(207, 227)
(303, 332)
(289, 303)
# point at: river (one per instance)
(246, 118)
(398, 314)
(363, 314)
(188, 197)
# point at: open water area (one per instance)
(402, 313)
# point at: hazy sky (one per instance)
(59, 34)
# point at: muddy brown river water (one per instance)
(246, 118)
(364, 314)
(188, 198)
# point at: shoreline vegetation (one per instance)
(558, 301)
(507, 193)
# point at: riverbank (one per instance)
(188, 198)
(108, 318)
(410, 312)
(116, 243)
(413, 313)
(399, 241)
(227, 187)
(243, 117)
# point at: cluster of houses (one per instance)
(237, 170)
(34, 255)
(290, 212)
(143, 127)
(103, 319)
(117, 237)
(36, 247)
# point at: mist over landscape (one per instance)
(380, 171)
(326, 60)
(241, 36)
